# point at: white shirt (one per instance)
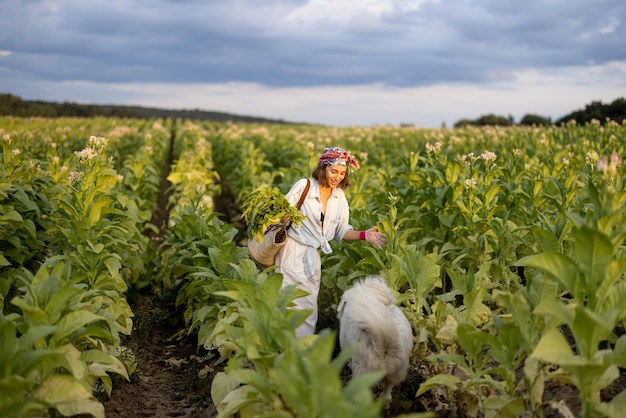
(311, 232)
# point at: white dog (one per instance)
(370, 321)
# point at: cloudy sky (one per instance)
(335, 62)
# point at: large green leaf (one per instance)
(554, 348)
(594, 252)
(557, 266)
(69, 396)
(72, 322)
(447, 380)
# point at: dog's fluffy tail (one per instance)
(371, 320)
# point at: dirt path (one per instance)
(173, 377)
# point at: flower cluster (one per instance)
(436, 147)
(488, 156)
(336, 155)
(592, 157)
(469, 183)
(87, 154)
(98, 141)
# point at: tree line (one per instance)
(596, 110)
(11, 105)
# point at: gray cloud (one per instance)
(337, 62)
(272, 43)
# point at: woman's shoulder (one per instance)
(302, 181)
(339, 192)
(300, 185)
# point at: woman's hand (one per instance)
(377, 238)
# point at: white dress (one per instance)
(299, 260)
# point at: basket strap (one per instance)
(304, 193)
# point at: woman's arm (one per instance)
(371, 235)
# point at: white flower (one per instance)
(469, 183)
(592, 157)
(488, 156)
(433, 147)
(98, 141)
(86, 154)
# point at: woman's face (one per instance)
(335, 174)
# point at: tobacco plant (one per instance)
(593, 279)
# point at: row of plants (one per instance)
(496, 236)
(71, 245)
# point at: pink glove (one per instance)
(377, 238)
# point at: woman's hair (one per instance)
(320, 174)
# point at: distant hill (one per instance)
(11, 105)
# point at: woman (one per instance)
(327, 215)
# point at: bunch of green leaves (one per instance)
(266, 206)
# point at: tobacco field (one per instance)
(126, 289)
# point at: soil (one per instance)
(173, 376)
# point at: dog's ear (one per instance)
(342, 303)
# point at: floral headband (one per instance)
(338, 156)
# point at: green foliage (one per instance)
(73, 248)
(197, 256)
(11, 105)
(34, 378)
(598, 111)
(194, 181)
(592, 277)
(486, 120)
(142, 168)
(58, 347)
(264, 207)
(460, 209)
(531, 119)
(285, 376)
